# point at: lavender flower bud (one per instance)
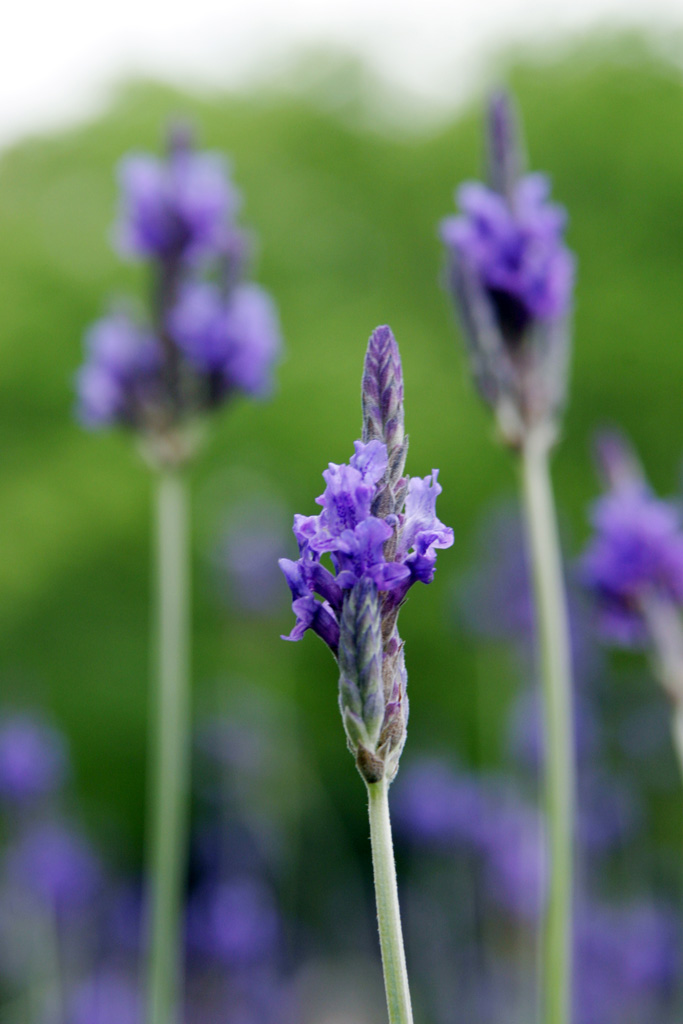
(511, 277)
(382, 404)
(395, 681)
(506, 157)
(617, 462)
(361, 692)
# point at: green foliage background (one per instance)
(346, 219)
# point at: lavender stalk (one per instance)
(558, 716)
(381, 533)
(171, 741)
(210, 336)
(511, 277)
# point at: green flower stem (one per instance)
(170, 767)
(388, 913)
(555, 667)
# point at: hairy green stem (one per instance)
(170, 767)
(555, 669)
(388, 913)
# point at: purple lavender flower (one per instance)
(120, 382)
(355, 541)
(211, 334)
(232, 339)
(636, 555)
(512, 278)
(626, 962)
(515, 247)
(234, 922)
(33, 759)
(55, 864)
(179, 209)
(380, 532)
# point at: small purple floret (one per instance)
(33, 759)
(636, 553)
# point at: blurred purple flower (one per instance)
(636, 553)
(55, 864)
(121, 377)
(439, 807)
(175, 209)
(110, 997)
(234, 922)
(206, 341)
(446, 809)
(627, 960)
(512, 277)
(516, 869)
(494, 597)
(515, 246)
(232, 338)
(33, 759)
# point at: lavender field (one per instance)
(332, 223)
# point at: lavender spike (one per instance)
(512, 278)
(382, 400)
(506, 158)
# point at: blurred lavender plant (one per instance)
(33, 759)
(511, 277)
(71, 932)
(633, 567)
(210, 335)
(626, 951)
(381, 532)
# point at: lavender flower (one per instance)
(626, 962)
(512, 277)
(55, 865)
(233, 922)
(33, 759)
(381, 533)
(180, 208)
(121, 380)
(635, 559)
(231, 340)
(211, 334)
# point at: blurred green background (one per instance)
(346, 215)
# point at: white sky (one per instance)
(58, 57)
